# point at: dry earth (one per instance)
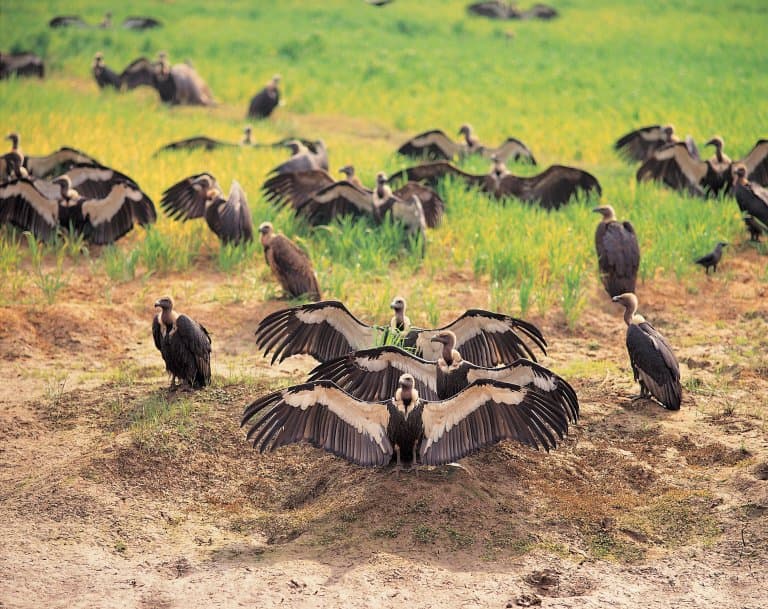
(112, 494)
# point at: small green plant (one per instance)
(50, 282)
(119, 266)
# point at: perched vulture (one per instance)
(185, 346)
(677, 168)
(618, 253)
(203, 142)
(290, 265)
(712, 259)
(372, 374)
(550, 189)
(406, 427)
(21, 64)
(103, 75)
(305, 156)
(265, 101)
(140, 23)
(751, 198)
(327, 330)
(201, 196)
(67, 21)
(653, 363)
(37, 207)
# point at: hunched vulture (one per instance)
(618, 253)
(289, 263)
(184, 344)
(265, 101)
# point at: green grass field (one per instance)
(364, 79)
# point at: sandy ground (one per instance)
(112, 494)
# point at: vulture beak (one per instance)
(158, 303)
(437, 339)
(616, 299)
(712, 142)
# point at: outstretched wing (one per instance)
(230, 218)
(59, 161)
(674, 166)
(374, 374)
(24, 206)
(551, 188)
(95, 181)
(325, 330)
(511, 148)
(639, 145)
(756, 163)
(432, 204)
(186, 199)
(294, 188)
(139, 72)
(113, 216)
(196, 143)
(486, 413)
(323, 415)
(485, 338)
(431, 173)
(433, 144)
(338, 199)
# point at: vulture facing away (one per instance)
(327, 330)
(21, 64)
(372, 374)
(550, 189)
(712, 259)
(618, 253)
(200, 196)
(290, 265)
(436, 145)
(653, 363)
(185, 346)
(265, 101)
(406, 427)
(751, 198)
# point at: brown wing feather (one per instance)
(639, 145)
(757, 163)
(433, 205)
(292, 267)
(294, 188)
(434, 144)
(431, 173)
(340, 198)
(186, 199)
(674, 166)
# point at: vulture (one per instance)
(712, 259)
(143, 72)
(203, 142)
(305, 156)
(653, 363)
(372, 374)
(185, 346)
(435, 144)
(265, 101)
(140, 23)
(67, 21)
(677, 168)
(618, 253)
(290, 265)
(42, 207)
(327, 330)
(21, 64)
(755, 228)
(59, 161)
(751, 198)
(405, 427)
(201, 196)
(495, 9)
(103, 75)
(550, 189)
(641, 144)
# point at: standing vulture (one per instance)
(21, 64)
(185, 346)
(550, 189)
(653, 362)
(265, 101)
(290, 265)
(372, 374)
(178, 84)
(618, 253)
(435, 144)
(201, 196)
(751, 198)
(327, 330)
(712, 259)
(103, 75)
(406, 427)
(677, 168)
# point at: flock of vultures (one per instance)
(391, 392)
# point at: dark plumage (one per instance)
(21, 64)
(203, 142)
(201, 196)
(290, 265)
(103, 75)
(712, 259)
(755, 228)
(140, 23)
(405, 427)
(653, 363)
(327, 330)
(305, 156)
(751, 198)
(265, 101)
(641, 144)
(435, 144)
(618, 253)
(67, 21)
(57, 162)
(495, 9)
(184, 344)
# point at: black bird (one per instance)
(654, 364)
(203, 142)
(712, 259)
(184, 344)
(201, 196)
(103, 75)
(140, 23)
(406, 427)
(265, 101)
(22, 63)
(751, 198)
(327, 330)
(67, 21)
(755, 228)
(618, 253)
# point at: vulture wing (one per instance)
(323, 415)
(511, 148)
(139, 72)
(753, 199)
(484, 338)
(434, 144)
(374, 374)
(24, 206)
(338, 199)
(113, 216)
(433, 205)
(430, 173)
(230, 219)
(640, 145)
(551, 188)
(263, 103)
(618, 256)
(294, 188)
(292, 267)
(186, 199)
(95, 181)
(654, 364)
(157, 333)
(60, 161)
(486, 413)
(196, 143)
(756, 163)
(197, 343)
(325, 330)
(674, 166)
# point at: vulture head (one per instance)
(406, 393)
(607, 212)
(165, 303)
(669, 132)
(266, 230)
(164, 67)
(207, 186)
(296, 147)
(469, 134)
(445, 337)
(398, 305)
(14, 138)
(98, 60)
(275, 81)
(381, 178)
(739, 174)
(348, 171)
(629, 301)
(717, 142)
(247, 134)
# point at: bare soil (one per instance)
(114, 493)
